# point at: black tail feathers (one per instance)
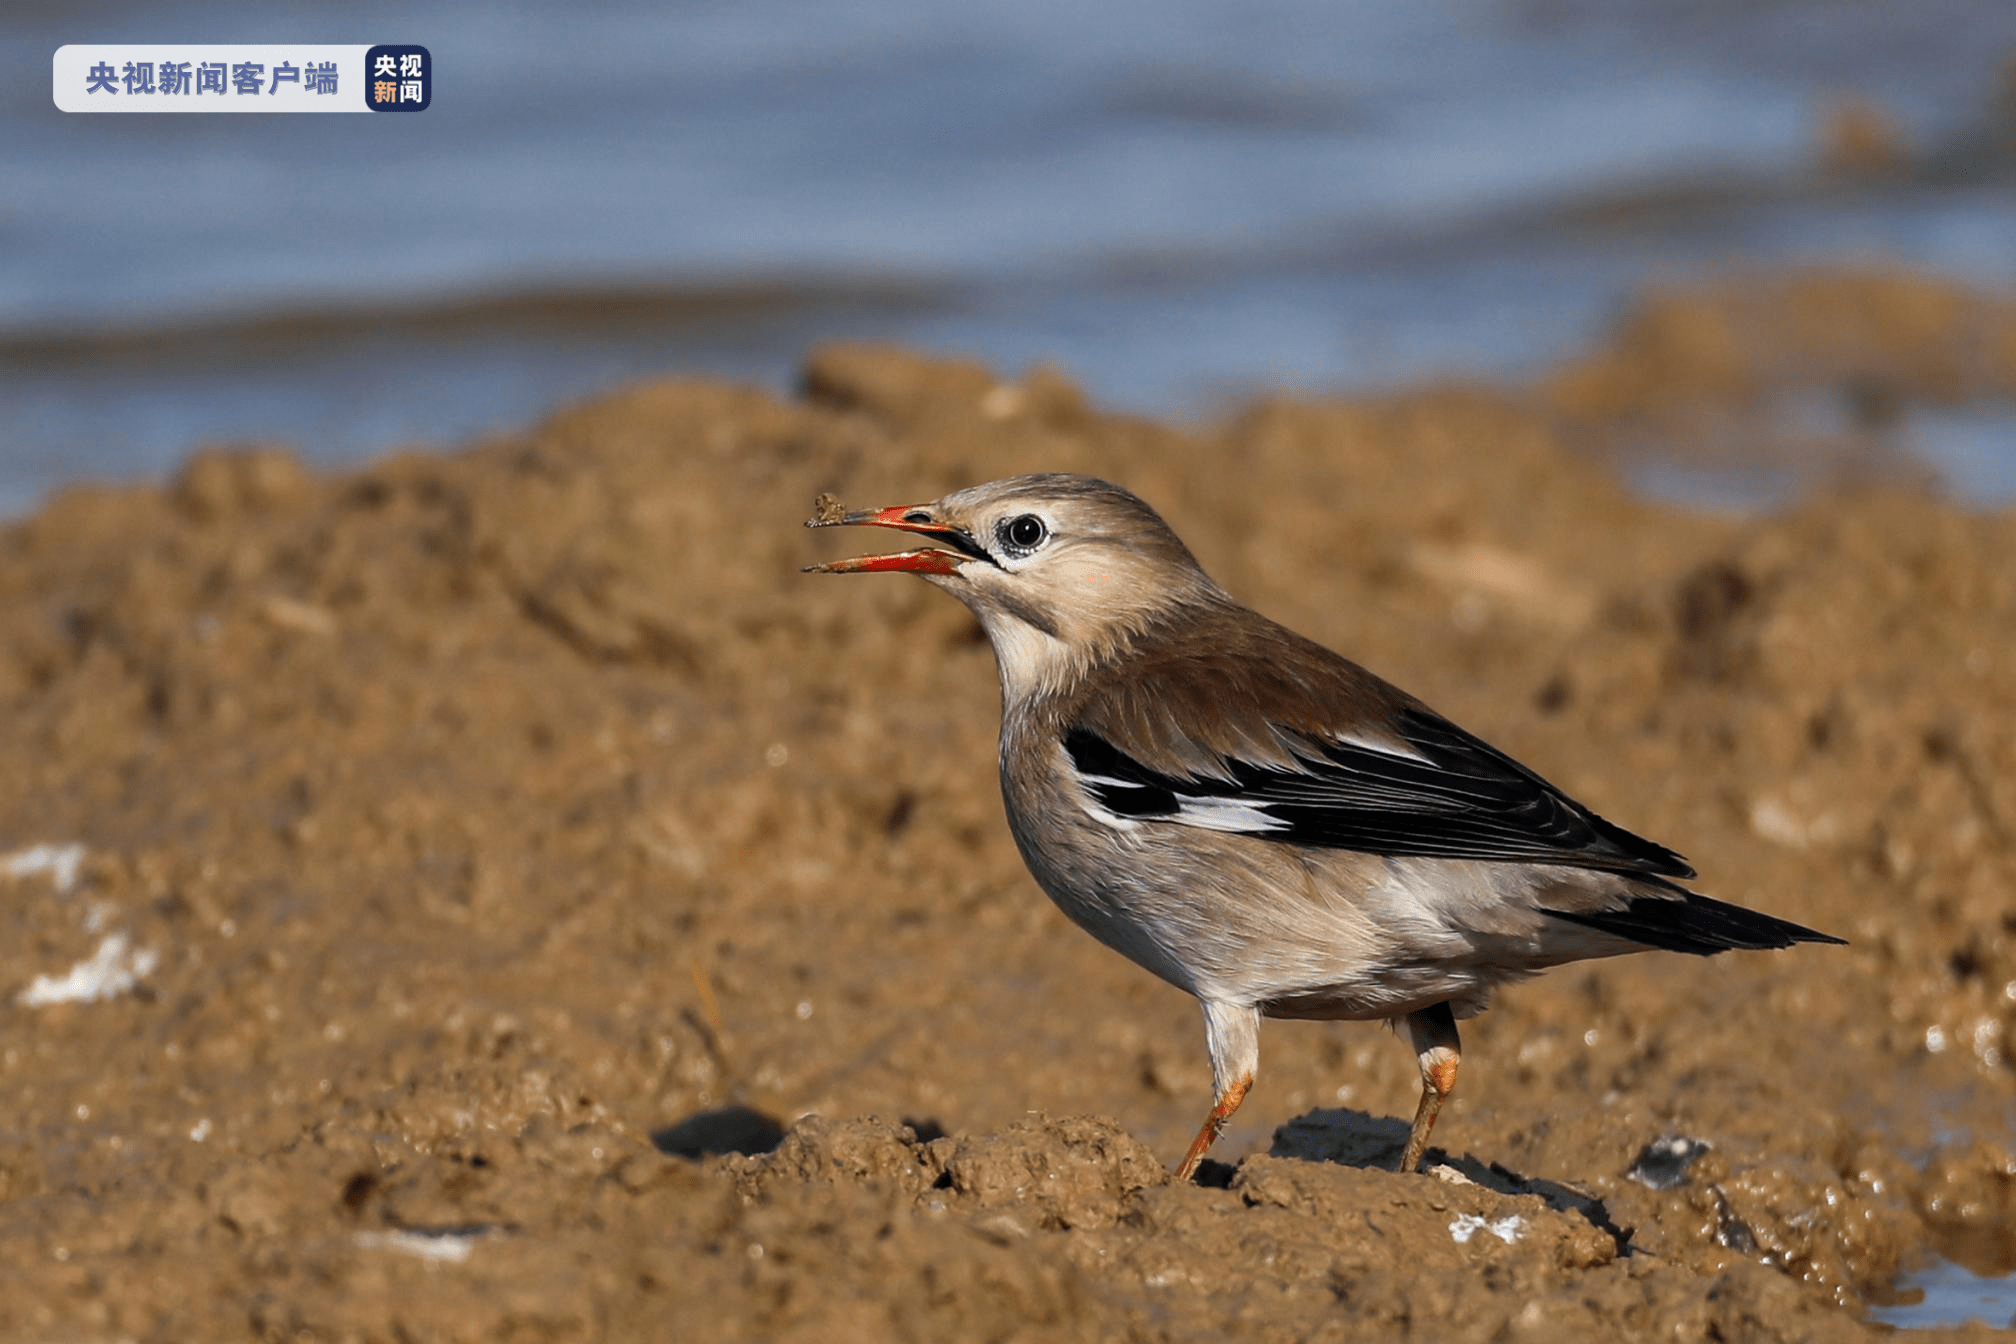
(1686, 922)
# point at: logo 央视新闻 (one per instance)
(398, 79)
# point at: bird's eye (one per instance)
(1024, 532)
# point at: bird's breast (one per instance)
(1100, 876)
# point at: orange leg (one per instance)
(1232, 1035)
(1214, 1124)
(1433, 1032)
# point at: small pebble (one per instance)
(1663, 1163)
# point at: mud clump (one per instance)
(491, 894)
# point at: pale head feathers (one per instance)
(1071, 570)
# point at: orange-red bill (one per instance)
(902, 517)
(932, 561)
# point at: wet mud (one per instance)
(494, 895)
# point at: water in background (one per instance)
(1181, 203)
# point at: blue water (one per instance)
(1954, 1295)
(1181, 203)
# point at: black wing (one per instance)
(1457, 797)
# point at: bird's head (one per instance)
(1059, 568)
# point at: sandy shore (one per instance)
(463, 840)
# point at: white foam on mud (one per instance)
(60, 862)
(114, 969)
(1467, 1225)
(448, 1248)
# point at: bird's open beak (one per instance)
(904, 518)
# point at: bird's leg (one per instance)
(1433, 1031)
(1232, 1033)
(1222, 1107)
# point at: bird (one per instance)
(1258, 820)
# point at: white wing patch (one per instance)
(1110, 820)
(1208, 814)
(1226, 814)
(1399, 749)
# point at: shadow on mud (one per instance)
(1357, 1139)
(722, 1129)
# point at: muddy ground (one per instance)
(514, 903)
